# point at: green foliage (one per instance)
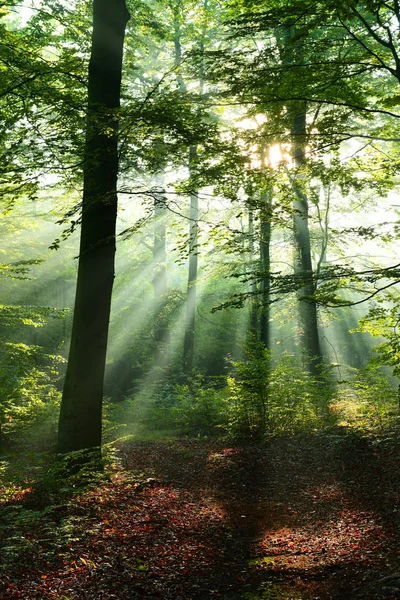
(194, 409)
(17, 270)
(267, 399)
(199, 410)
(35, 316)
(258, 399)
(367, 403)
(249, 395)
(29, 401)
(346, 75)
(382, 320)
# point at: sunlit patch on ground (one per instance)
(222, 459)
(353, 536)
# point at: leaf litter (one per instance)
(293, 518)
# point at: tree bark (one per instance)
(265, 240)
(291, 50)
(303, 261)
(160, 283)
(80, 420)
(253, 325)
(191, 297)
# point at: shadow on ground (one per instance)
(310, 517)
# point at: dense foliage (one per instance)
(211, 103)
(249, 411)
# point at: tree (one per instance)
(160, 283)
(253, 320)
(303, 267)
(260, 199)
(191, 294)
(169, 128)
(188, 342)
(80, 422)
(303, 260)
(265, 260)
(39, 102)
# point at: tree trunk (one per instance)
(265, 240)
(189, 336)
(303, 261)
(292, 50)
(80, 420)
(253, 325)
(160, 285)
(188, 343)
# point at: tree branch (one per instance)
(385, 287)
(367, 48)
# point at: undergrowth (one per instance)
(260, 398)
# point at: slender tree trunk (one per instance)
(191, 297)
(191, 301)
(291, 50)
(303, 261)
(80, 420)
(265, 240)
(160, 284)
(253, 326)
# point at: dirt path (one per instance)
(307, 518)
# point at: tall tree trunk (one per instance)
(191, 297)
(303, 261)
(265, 240)
(253, 325)
(292, 50)
(160, 284)
(80, 420)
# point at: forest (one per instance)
(200, 301)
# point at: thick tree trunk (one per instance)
(80, 420)
(303, 261)
(191, 297)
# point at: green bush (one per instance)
(249, 395)
(272, 399)
(194, 409)
(367, 402)
(29, 401)
(260, 398)
(200, 411)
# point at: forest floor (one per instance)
(313, 517)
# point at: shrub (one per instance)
(29, 401)
(271, 399)
(367, 402)
(200, 411)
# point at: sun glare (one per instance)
(279, 154)
(252, 122)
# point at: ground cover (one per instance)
(313, 517)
